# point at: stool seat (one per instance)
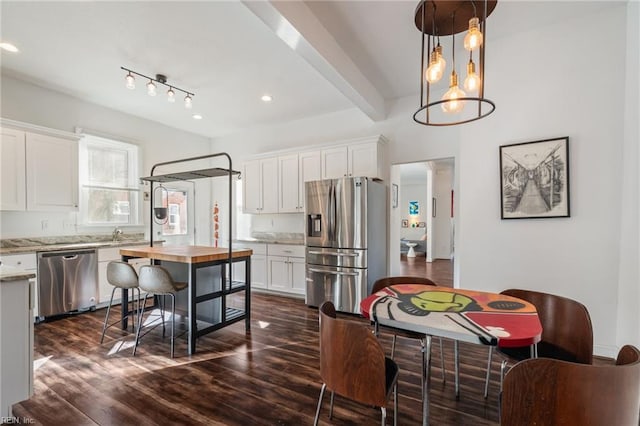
(155, 279)
(121, 275)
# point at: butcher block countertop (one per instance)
(184, 254)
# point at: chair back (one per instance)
(352, 361)
(387, 281)
(567, 333)
(155, 279)
(121, 274)
(552, 392)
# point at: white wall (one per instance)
(545, 83)
(33, 104)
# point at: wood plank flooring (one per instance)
(439, 271)
(267, 377)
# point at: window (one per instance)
(176, 223)
(109, 193)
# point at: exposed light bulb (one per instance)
(436, 67)
(151, 88)
(188, 102)
(131, 81)
(472, 81)
(454, 92)
(171, 95)
(473, 39)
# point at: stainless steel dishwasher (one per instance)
(67, 280)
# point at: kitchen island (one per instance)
(204, 269)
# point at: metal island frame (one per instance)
(191, 262)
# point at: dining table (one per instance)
(464, 315)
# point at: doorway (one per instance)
(422, 229)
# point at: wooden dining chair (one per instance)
(551, 392)
(383, 283)
(353, 364)
(567, 333)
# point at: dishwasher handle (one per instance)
(67, 254)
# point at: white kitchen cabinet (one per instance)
(362, 159)
(52, 173)
(29, 263)
(286, 268)
(12, 170)
(260, 186)
(293, 171)
(310, 168)
(16, 350)
(106, 255)
(258, 265)
(288, 184)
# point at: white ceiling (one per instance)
(313, 57)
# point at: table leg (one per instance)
(247, 294)
(456, 366)
(426, 379)
(192, 309)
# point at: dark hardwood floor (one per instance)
(439, 271)
(267, 377)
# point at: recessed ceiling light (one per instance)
(266, 98)
(9, 47)
(197, 116)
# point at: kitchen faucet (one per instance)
(115, 235)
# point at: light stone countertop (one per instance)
(293, 238)
(31, 245)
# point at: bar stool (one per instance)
(123, 276)
(154, 279)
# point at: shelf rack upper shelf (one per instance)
(190, 175)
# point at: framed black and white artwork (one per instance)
(534, 179)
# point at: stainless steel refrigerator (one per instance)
(346, 240)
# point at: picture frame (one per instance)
(405, 223)
(534, 179)
(394, 195)
(414, 208)
(422, 224)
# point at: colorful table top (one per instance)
(465, 315)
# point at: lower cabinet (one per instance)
(286, 268)
(26, 262)
(105, 256)
(276, 267)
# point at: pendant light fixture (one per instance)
(437, 19)
(152, 86)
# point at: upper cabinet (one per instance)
(52, 173)
(12, 170)
(260, 186)
(39, 171)
(363, 159)
(262, 193)
(293, 171)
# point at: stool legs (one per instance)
(135, 311)
(173, 314)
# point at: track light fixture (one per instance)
(152, 88)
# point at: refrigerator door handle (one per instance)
(320, 271)
(333, 205)
(324, 253)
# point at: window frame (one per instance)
(133, 180)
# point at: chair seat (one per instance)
(545, 350)
(391, 373)
(180, 286)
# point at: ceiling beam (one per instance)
(295, 24)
